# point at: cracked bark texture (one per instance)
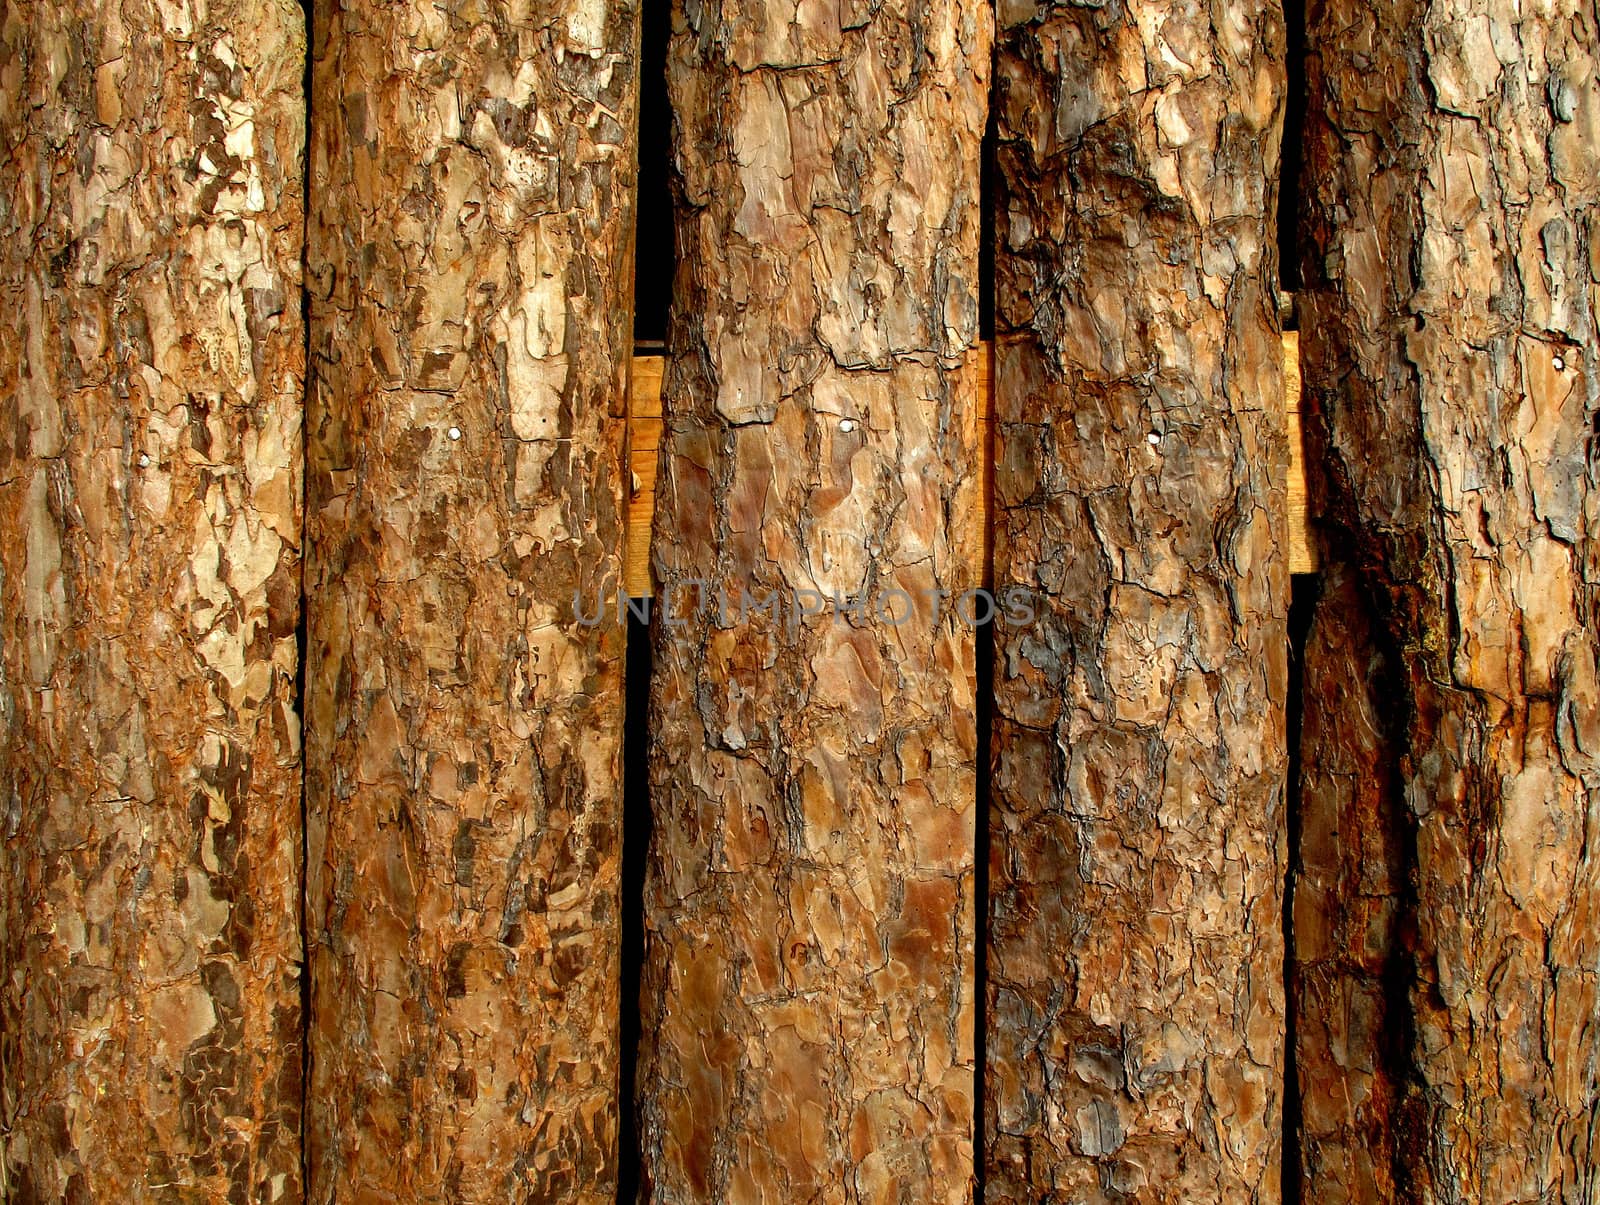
(1452, 378)
(808, 992)
(1135, 970)
(473, 174)
(151, 379)
(1349, 904)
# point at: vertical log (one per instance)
(808, 988)
(151, 380)
(473, 173)
(1135, 962)
(1453, 382)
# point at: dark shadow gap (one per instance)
(1293, 155)
(980, 1046)
(635, 844)
(654, 267)
(1303, 587)
(654, 253)
(989, 209)
(1303, 592)
(988, 205)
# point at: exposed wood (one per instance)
(644, 450)
(1135, 973)
(1297, 538)
(808, 987)
(473, 178)
(151, 376)
(644, 441)
(1452, 272)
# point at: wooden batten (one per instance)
(644, 438)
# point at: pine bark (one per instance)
(472, 195)
(808, 993)
(151, 380)
(1135, 968)
(1453, 383)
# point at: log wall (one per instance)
(829, 459)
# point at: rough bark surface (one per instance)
(472, 179)
(808, 989)
(1453, 382)
(1349, 904)
(1135, 991)
(151, 378)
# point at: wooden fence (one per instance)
(1019, 830)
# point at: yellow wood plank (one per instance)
(1302, 549)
